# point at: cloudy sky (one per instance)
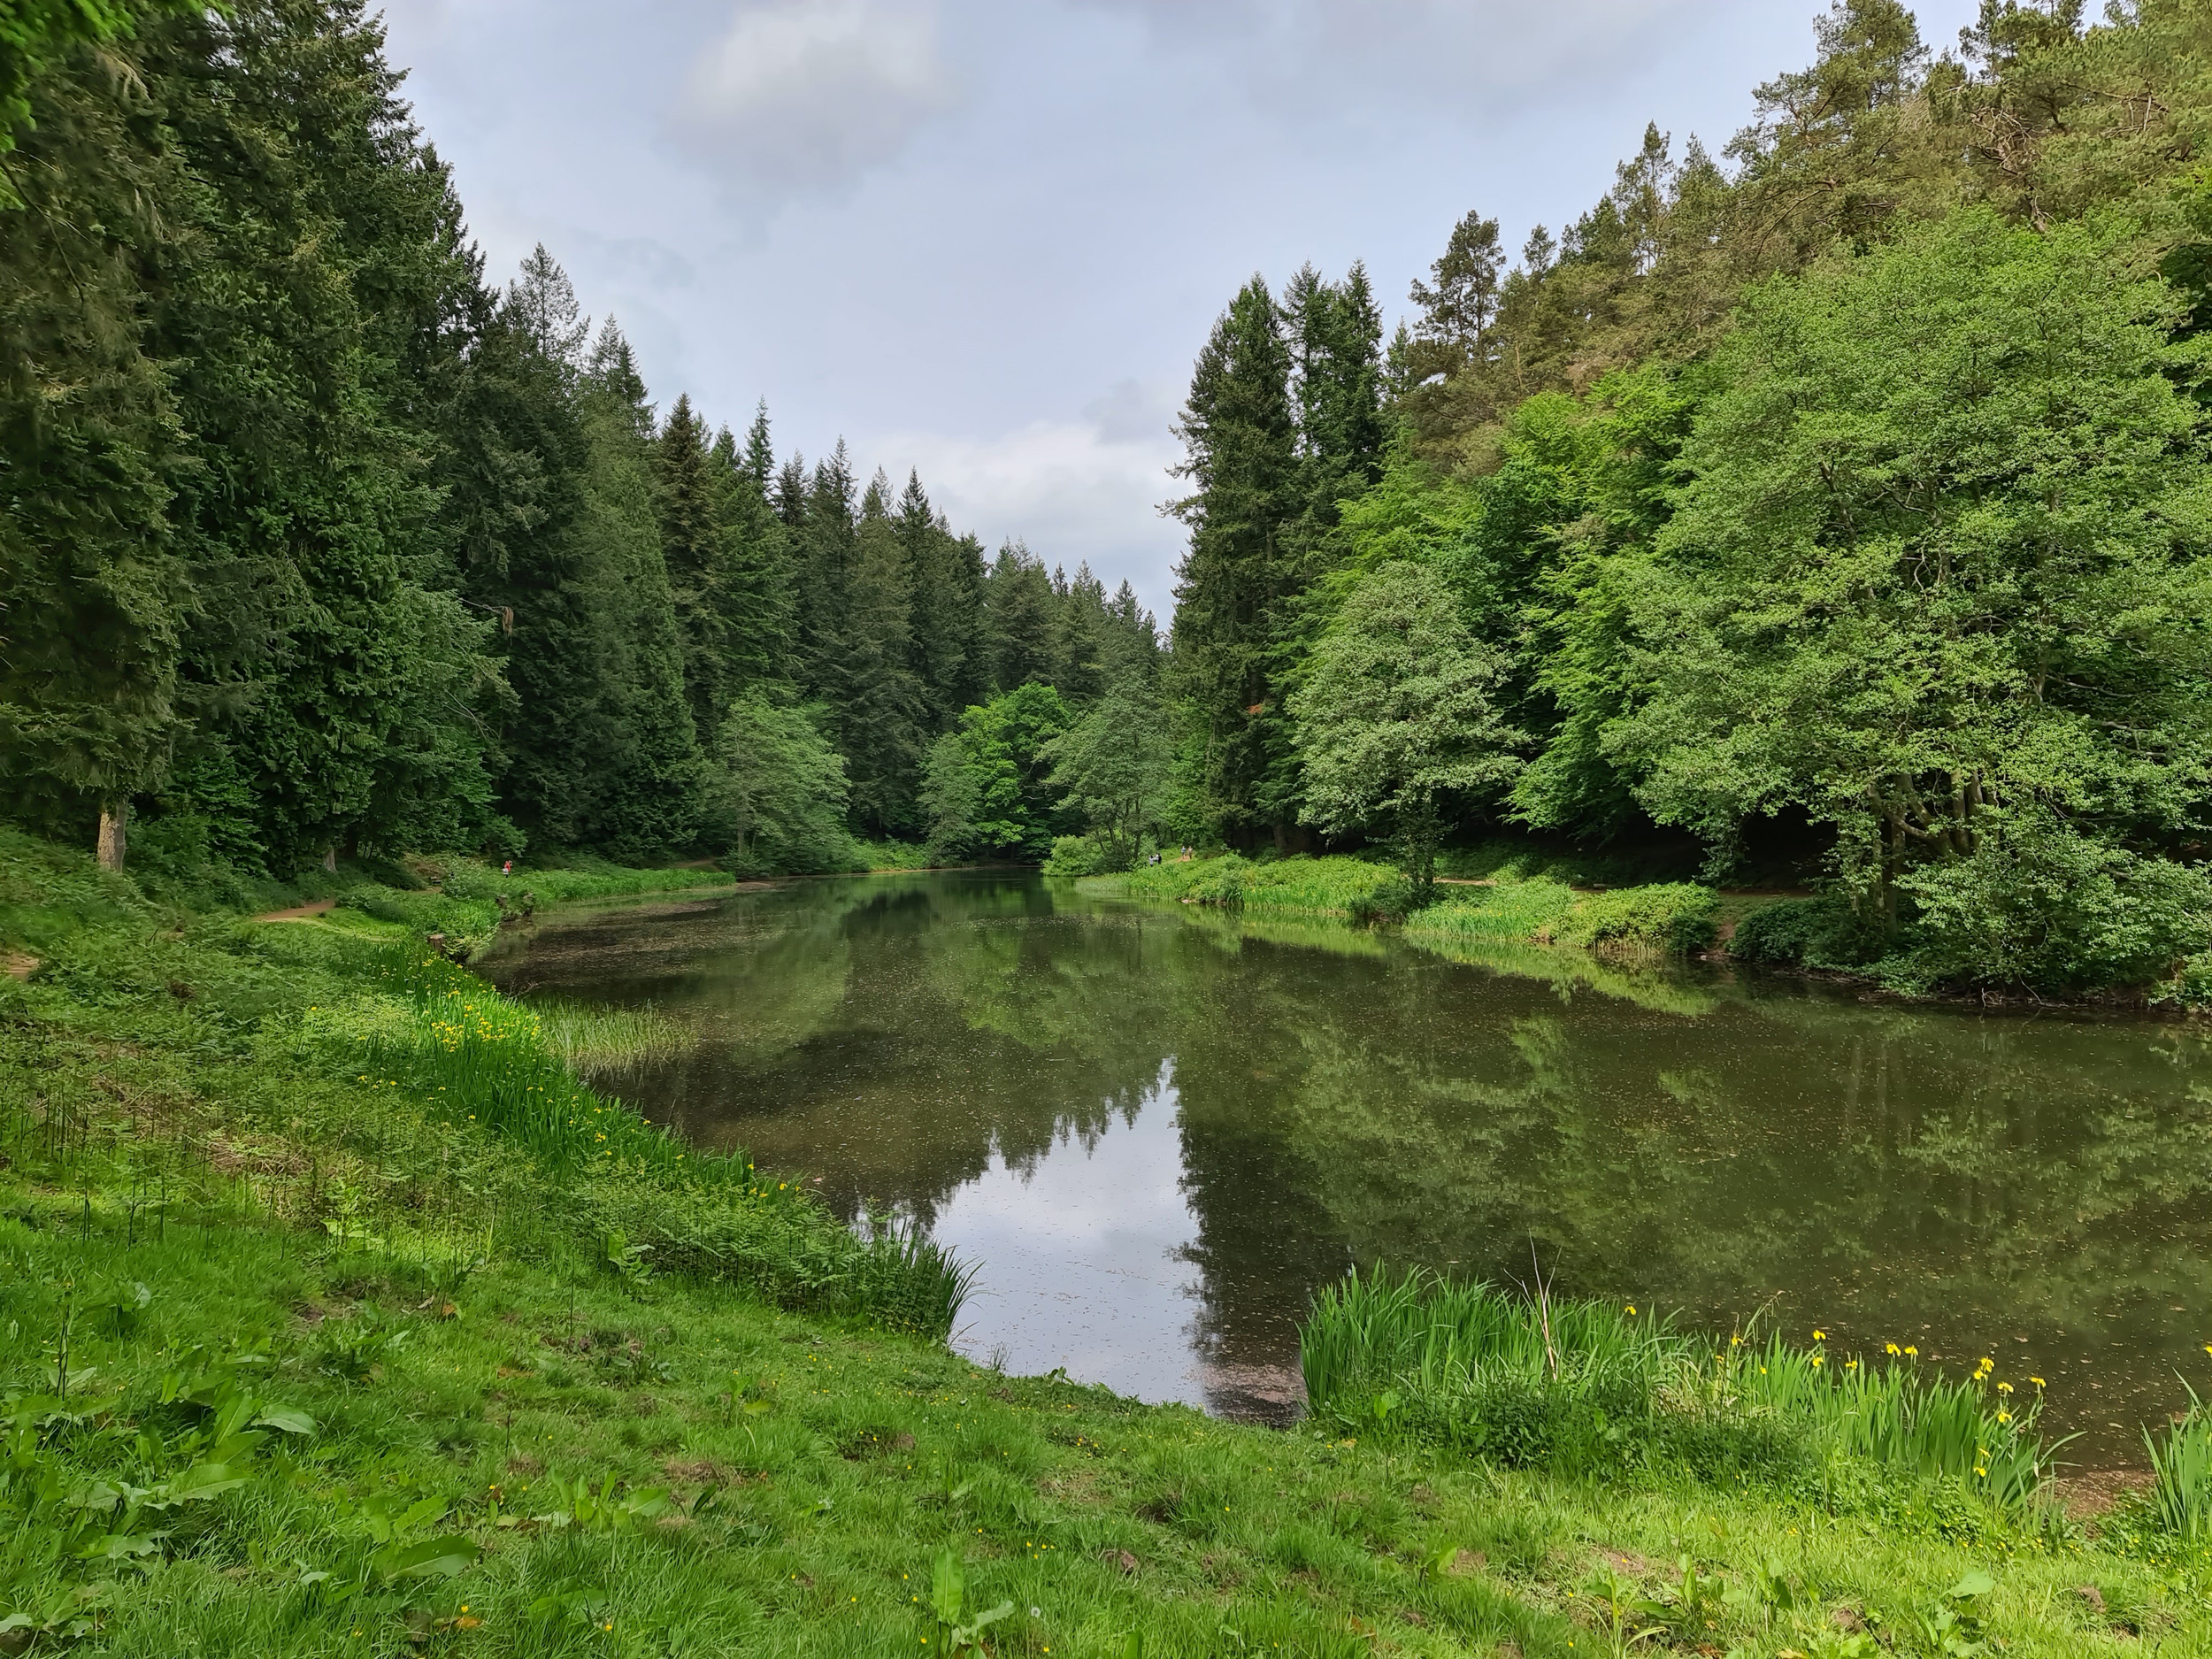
(985, 238)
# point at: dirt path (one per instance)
(301, 912)
(20, 965)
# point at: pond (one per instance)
(1156, 1129)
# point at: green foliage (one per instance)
(1080, 855)
(989, 790)
(1914, 596)
(1113, 764)
(1396, 718)
(780, 789)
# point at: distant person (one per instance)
(508, 868)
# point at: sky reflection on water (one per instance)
(1156, 1131)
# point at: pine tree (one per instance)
(688, 498)
(1234, 584)
(647, 805)
(756, 592)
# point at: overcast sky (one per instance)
(986, 238)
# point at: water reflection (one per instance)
(1158, 1130)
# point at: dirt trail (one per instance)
(301, 912)
(20, 965)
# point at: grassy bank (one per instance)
(345, 1318)
(1505, 907)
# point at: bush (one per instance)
(1079, 856)
(2041, 905)
(1822, 932)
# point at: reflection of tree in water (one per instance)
(1893, 1171)
(891, 1036)
(1345, 1097)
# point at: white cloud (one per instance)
(1074, 490)
(802, 96)
(1319, 58)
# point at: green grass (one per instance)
(576, 1465)
(1603, 1389)
(608, 1042)
(330, 1334)
(1354, 888)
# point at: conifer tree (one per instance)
(688, 496)
(756, 592)
(649, 804)
(879, 704)
(1020, 611)
(92, 605)
(1235, 582)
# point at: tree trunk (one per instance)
(113, 815)
(330, 858)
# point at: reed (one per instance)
(2181, 1473)
(608, 1041)
(1579, 1383)
(1511, 913)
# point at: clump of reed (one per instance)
(2180, 1498)
(609, 1042)
(1511, 913)
(1584, 1385)
(1663, 919)
(1336, 886)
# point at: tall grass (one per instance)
(606, 1041)
(1511, 913)
(1354, 888)
(469, 1056)
(1583, 1385)
(2181, 1473)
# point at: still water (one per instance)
(1157, 1130)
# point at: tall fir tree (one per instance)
(688, 498)
(650, 801)
(756, 592)
(1236, 581)
(880, 707)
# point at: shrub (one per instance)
(1822, 932)
(1079, 856)
(2039, 904)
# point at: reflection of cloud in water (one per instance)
(1080, 1255)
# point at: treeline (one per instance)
(1841, 503)
(314, 539)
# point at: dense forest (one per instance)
(1833, 508)
(1837, 506)
(315, 540)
